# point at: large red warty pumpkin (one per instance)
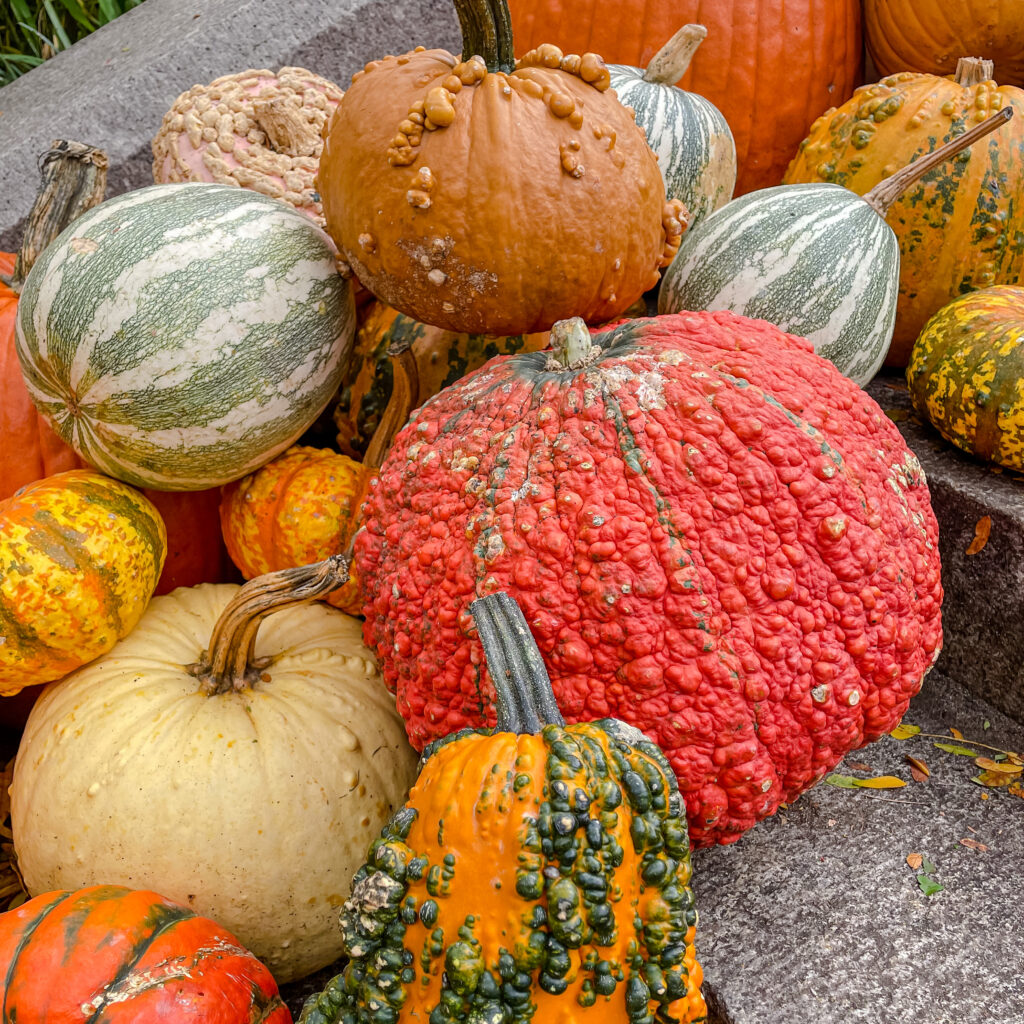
(712, 533)
(770, 66)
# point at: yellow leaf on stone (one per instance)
(880, 782)
(918, 769)
(1003, 767)
(956, 733)
(914, 861)
(904, 732)
(994, 780)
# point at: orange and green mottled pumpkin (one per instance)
(111, 955)
(962, 227)
(442, 357)
(298, 509)
(538, 874)
(966, 374)
(80, 554)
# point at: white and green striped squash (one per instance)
(690, 136)
(816, 260)
(180, 336)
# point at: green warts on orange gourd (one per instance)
(539, 872)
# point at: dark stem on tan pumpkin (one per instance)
(973, 70)
(230, 662)
(524, 700)
(669, 64)
(487, 33)
(74, 179)
(887, 191)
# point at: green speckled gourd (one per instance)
(538, 873)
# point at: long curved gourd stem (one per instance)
(523, 696)
(887, 191)
(669, 64)
(230, 662)
(74, 179)
(487, 32)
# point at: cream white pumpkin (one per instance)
(253, 807)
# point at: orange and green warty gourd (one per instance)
(539, 873)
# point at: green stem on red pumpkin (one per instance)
(74, 179)
(230, 662)
(888, 190)
(524, 700)
(487, 32)
(571, 345)
(669, 64)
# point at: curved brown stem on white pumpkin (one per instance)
(74, 179)
(888, 190)
(230, 663)
(669, 64)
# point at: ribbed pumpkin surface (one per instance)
(80, 555)
(110, 955)
(298, 509)
(966, 374)
(962, 226)
(695, 149)
(770, 66)
(812, 259)
(182, 335)
(713, 535)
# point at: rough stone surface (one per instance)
(112, 89)
(983, 607)
(814, 917)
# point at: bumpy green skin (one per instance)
(568, 856)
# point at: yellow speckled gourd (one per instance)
(80, 555)
(966, 374)
(962, 227)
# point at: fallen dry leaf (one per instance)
(984, 796)
(955, 748)
(1014, 758)
(858, 766)
(896, 415)
(880, 782)
(974, 845)
(918, 769)
(982, 529)
(914, 860)
(994, 780)
(955, 733)
(904, 732)
(1015, 788)
(1003, 767)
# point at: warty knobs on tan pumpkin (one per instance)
(492, 195)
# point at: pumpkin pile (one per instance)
(627, 582)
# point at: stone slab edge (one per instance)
(983, 606)
(112, 88)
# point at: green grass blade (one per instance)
(55, 24)
(77, 11)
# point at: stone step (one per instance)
(815, 917)
(983, 607)
(112, 88)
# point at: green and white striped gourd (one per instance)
(695, 148)
(180, 336)
(816, 260)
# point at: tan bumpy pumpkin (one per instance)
(491, 195)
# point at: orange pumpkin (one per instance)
(755, 66)
(491, 195)
(929, 35)
(959, 228)
(298, 509)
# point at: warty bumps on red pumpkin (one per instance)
(712, 533)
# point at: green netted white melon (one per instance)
(180, 336)
(815, 260)
(695, 148)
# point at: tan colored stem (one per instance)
(405, 388)
(230, 662)
(74, 179)
(669, 64)
(571, 345)
(287, 131)
(887, 191)
(973, 71)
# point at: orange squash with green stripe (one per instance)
(961, 227)
(966, 374)
(80, 555)
(111, 955)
